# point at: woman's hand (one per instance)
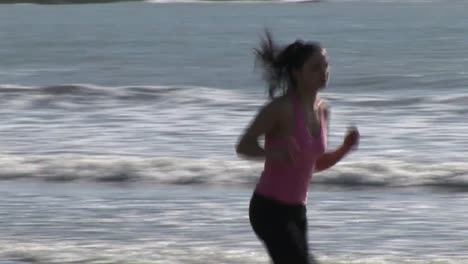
(351, 141)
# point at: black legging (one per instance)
(282, 228)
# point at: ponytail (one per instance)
(278, 63)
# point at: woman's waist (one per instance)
(297, 166)
(270, 202)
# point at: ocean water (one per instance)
(118, 124)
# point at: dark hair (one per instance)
(279, 62)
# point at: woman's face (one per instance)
(314, 73)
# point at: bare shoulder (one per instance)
(268, 119)
(283, 107)
(272, 109)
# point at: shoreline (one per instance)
(72, 2)
(64, 2)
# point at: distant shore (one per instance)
(60, 2)
(63, 2)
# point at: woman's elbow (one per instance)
(318, 168)
(240, 148)
(323, 163)
(246, 147)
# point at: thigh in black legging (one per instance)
(286, 244)
(282, 229)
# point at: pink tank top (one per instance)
(289, 182)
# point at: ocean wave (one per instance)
(60, 2)
(286, 1)
(230, 1)
(73, 252)
(155, 93)
(184, 171)
(197, 94)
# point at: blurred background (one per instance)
(118, 123)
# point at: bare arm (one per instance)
(266, 119)
(329, 159)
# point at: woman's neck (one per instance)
(306, 97)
